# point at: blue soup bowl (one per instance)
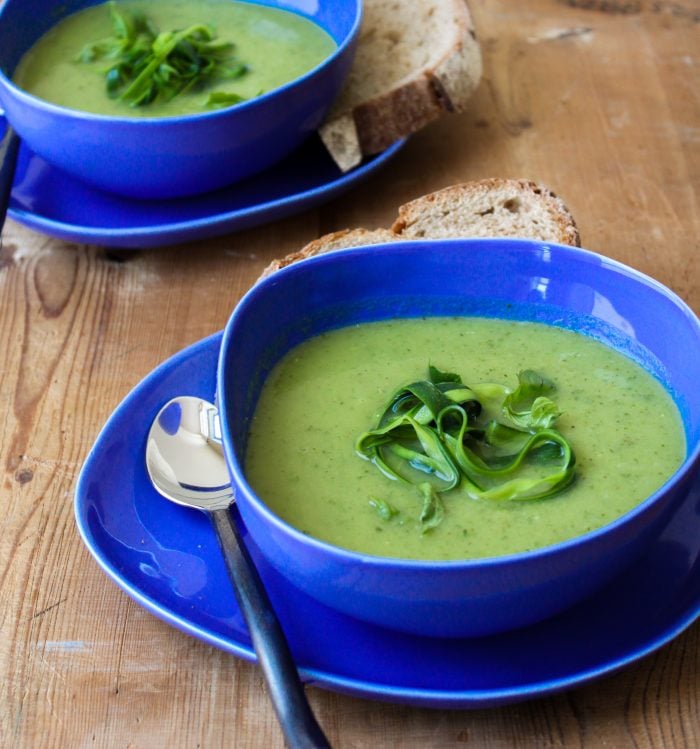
(165, 157)
(514, 279)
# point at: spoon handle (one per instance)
(9, 148)
(298, 723)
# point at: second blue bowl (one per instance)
(172, 156)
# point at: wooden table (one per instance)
(597, 99)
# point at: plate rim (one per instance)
(324, 678)
(141, 236)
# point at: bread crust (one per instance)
(445, 85)
(337, 240)
(546, 215)
(441, 211)
(457, 75)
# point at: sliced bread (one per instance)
(337, 240)
(489, 208)
(483, 208)
(416, 60)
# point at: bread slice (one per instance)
(483, 208)
(337, 240)
(489, 208)
(416, 60)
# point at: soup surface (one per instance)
(623, 426)
(276, 47)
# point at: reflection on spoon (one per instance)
(185, 463)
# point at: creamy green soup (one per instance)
(623, 426)
(275, 46)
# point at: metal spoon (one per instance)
(185, 462)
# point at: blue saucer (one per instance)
(52, 202)
(167, 559)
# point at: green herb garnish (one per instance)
(147, 64)
(223, 99)
(433, 510)
(383, 508)
(493, 442)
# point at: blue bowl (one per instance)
(515, 279)
(172, 156)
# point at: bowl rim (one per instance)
(51, 108)
(690, 464)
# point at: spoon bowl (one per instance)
(184, 458)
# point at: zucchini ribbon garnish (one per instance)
(491, 442)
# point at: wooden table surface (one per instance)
(597, 99)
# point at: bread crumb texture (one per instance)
(489, 208)
(338, 240)
(492, 207)
(397, 41)
(416, 60)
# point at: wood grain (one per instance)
(598, 100)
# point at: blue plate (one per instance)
(166, 558)
(49, 200)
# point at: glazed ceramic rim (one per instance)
(67, 112)
(579, 255)
(144, 236)
(328, 676)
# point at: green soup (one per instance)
(275, 46)
(623, 426)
